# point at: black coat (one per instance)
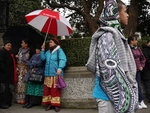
(146, 69)
(6, 67)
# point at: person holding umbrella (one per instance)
(55, 61)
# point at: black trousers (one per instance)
(147, 86)
(6, 94)
(33, 100)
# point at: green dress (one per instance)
(35, 89)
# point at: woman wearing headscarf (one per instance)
(112, 62)
(55, 61)
(34, 90)
(22, 57)
(7, 75)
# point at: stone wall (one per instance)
(78, 93)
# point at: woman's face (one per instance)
(37, 51)
(8, 46)
(23, 44)
(51, 43)
(134, 42)
(123, 16)
(148, 44)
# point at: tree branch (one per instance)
(55, 5)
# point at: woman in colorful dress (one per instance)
(7, 75)
(23, 57)
(34, 91)
(55, 62)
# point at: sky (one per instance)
(148, 0)
(126, 1)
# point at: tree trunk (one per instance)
(91, 22)
(133, 18)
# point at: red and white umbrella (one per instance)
(50, 22)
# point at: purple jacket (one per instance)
(138, 57)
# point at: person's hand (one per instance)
(43, 45)
(141, 68)
(58, 72)
(17, 56)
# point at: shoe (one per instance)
(48, 108)
(57, 109)
(4, 106)
(143, 104)
(139, 106)
(29, 106)
(25, 105)
(22, 102)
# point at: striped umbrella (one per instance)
(50, 22)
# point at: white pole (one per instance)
(47, 30)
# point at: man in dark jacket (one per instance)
(146, 69)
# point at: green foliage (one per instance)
(145, 37)
(144, 18)
(82, 14)
(19, 8)
(77, 50)
(141, 42)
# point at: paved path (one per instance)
(16, 108)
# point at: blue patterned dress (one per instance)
(34, 91)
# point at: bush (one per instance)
(141, 42)
(77, 50)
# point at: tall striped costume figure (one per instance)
(111, 59)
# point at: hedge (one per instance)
(77, 50)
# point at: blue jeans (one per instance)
(138, 79)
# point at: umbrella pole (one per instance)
(47, 30)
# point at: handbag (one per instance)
(60, 82)
(37, 78)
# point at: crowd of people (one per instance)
(16, 72)
(117, 62)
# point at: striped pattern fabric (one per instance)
(119, 86)
(109, 15)
(49, 21)
(118, 82)
(110, 58)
